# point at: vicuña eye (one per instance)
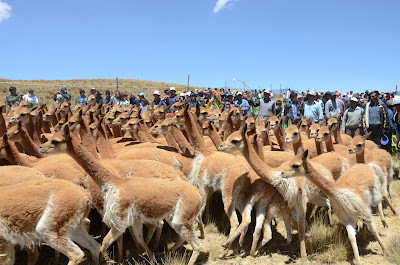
(234, 141)
(54, 142)
(296, 166)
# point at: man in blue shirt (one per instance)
(313, 109)
(240, 102)
(172, 98)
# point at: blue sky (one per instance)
(309, 44)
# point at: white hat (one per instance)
(396, 100)
(239, 93)
(312, 93)
(267, 91)
(172, 88)
(93, 88)
(354, 99)
(156, 92)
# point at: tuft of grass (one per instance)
(327, 244)
(393, 248)
(176, 258)
(213, 241)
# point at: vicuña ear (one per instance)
(310, 120)
(80, 115)
(187, 108)
(19, 125)
(290, 122)
(5, 140)
(305, 155)
(244, 130)
(66, 132)
(357, 132)
(299, 125)
(367, 135)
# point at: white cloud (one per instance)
(220, 4)
(5, 11)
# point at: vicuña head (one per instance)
(357, 144)
(233, 143)
(57, 143)
(314, 129)
(296, 166)
(292, 132)
(323, 133)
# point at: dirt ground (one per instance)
(277, 251)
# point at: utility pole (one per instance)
(188, 82)
(225, 85)
(116, 82)
(244, 84)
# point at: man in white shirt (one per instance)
(31, 97)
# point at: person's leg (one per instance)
(375, 134)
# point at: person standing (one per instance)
(157, 101)
(293, 109)
(267, 105)
(107, 99)
(334, 107)
(352, 118)
(13, 97)
(313, 109)
(171, 98)
(375, 119)
(82, 99)
(241, 102)
(31, 97)
(65, 95)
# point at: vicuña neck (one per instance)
(181, 140)
(3, 126)
(317, 177)
(297, 145)
(103, 144)
(194, 132)
(29, 145)
(360, 157)
(336, 135)
(318, 146)
(214, 135)
(87, 138)
(329, 144)
(143, 127)
(88, 162)
(258, 146)
(262, 169)
(15, 157)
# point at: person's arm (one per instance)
(320, 112)
(327, 114)
(344, 120)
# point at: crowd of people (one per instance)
(373, 112)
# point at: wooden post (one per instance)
(116, 81)
(188, 82)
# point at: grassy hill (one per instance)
(45, 89)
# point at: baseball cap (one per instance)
(267, 91)
(312, 93)
(239, 93)
(156, 92)
(354, 99)
(172, 88)
(141, 94)
(30, 89)
(64, 88)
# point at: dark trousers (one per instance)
(376, 134)
(351, 131)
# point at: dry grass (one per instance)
(46, 93)
(327, 244)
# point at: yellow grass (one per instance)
(45, 89)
